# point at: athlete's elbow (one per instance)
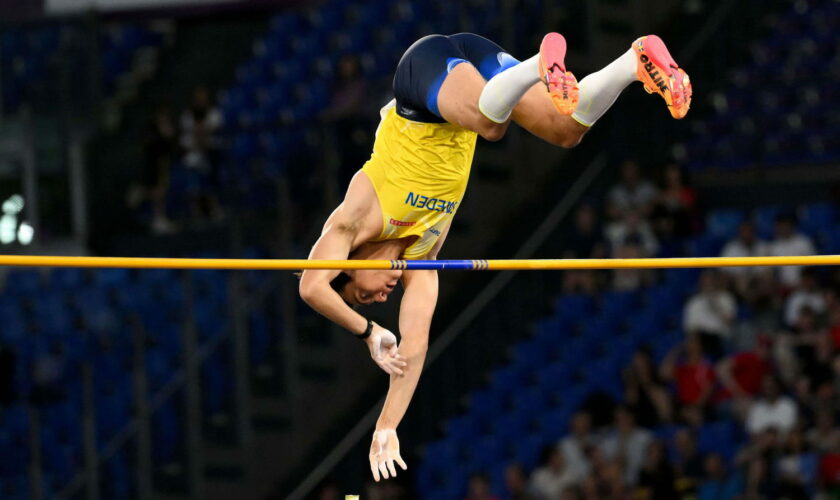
(492, 131)
(307, 291)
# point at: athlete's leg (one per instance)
(458, 103)
(535, 114)
(434, 82)
(647, 60)
(598, 92)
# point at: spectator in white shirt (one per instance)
(627, 443)
(710, 314)
(632, 194)
(631, 229)
(746, 244)
(574, 446)
(788, 242)
(807, 294)
(772, 410)
(552, 476)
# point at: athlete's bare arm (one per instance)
(352, 223)
(416, 311)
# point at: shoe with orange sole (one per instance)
(659, 73)
(561, 84)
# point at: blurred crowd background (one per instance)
(230, 128)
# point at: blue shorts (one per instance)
(424, 66)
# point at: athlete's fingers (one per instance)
(376, 347)
(384, 365)
(401, 462)
(391, 468)
(395, 367)
(383, 469)
(373, 469)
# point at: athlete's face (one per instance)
(367, 287)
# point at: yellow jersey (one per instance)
(420, 173)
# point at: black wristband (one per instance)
(367, 332)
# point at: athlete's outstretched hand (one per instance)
(383, 349)
(384, 451)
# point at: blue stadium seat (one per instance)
(724, 223)
(765, 220)
(817, 217)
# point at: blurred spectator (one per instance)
(806, 294)
(798, 347)
(693, 377)
(200, 127)
(746, 244)
(384, 490)
(644, 392)
(758, 460)
(631, 230)
(772, 410)
(350, 126)
(571, 493)
(585, 240)
(688, 462)
(832, 305)
(829, 472)
(656, 479)
(628, 443)
(575, 445)
(161, 152)
(788, 242)
(742, 374)
(824, 436)
(797, 467)
(718, 485)
(582, 241)
(48, 371)
(328, 490)
(350, 90)
(626, 280)
(710, 314)
(479, 488)
(631, 194)
(516, 483)
(553, 476)
(676, 206)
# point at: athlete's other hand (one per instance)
(383, 349)
(384, 451)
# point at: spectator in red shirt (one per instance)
(741, 374)
(693, 377)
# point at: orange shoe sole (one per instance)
(561, 85)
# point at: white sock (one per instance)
(504, 90)
(599, 90)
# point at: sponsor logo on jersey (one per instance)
(654, 73)
(434, 231)
(434, 204)
(402, 223)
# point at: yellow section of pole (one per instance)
(667, 263)
(167, 263)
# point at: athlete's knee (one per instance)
(567, 134)
(567, 140)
